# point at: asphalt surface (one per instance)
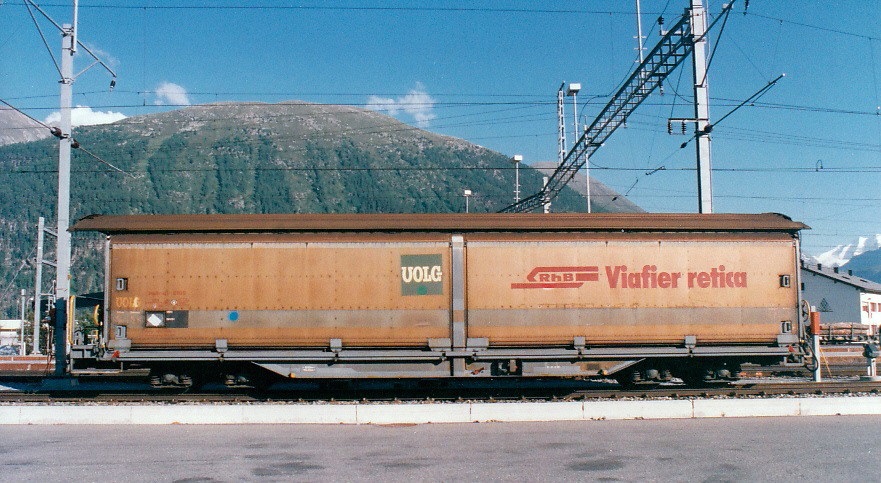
(836, 448)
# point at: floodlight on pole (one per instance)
(572, 91)
(467, 195)
(517, 159)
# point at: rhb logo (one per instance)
(559, 277)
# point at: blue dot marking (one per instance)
(234, 316)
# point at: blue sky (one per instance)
(488, 72)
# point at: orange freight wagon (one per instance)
(634, 296)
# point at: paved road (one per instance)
(761, 449)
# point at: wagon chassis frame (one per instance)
(478, 361)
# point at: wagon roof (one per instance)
(448, 222)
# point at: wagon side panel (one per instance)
(634, 291)
(281, 293)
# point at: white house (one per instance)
(839, 295)
(10, 332)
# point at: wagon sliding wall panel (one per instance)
(619, 289)
(282, 291)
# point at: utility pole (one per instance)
(701, 107)
(38, 284)
(63, 249)
(546, 202)
(639, 38)
(21, 348)
(63, 132)
(517, 159)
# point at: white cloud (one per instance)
(170, 93)
(86, 116)
(376, 103)
(417, 103)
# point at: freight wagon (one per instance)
(637, 297)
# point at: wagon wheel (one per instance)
(806, 313)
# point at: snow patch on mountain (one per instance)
(841, 254)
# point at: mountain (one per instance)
(290, 157)
(602, 198)
(867, 265)
(842, 254)
(18, 128)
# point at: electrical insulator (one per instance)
(683, 127)
(669, 127)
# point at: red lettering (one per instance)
(633, 280)
(704, 280)
(699, 279)
(664, 280)
(612, 273)
(649, 277)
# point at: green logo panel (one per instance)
(422, 275)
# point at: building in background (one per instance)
(840, 296)
(10, 336)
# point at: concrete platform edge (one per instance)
(418, 413)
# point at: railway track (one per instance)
(485, 393)
(840, 373)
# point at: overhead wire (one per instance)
(769, 106)
(757, 95)
(811, 26)
(57, 133)
(6, 290)
(717, 100)
(727, 13)
(353, 8)
(43, 36)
